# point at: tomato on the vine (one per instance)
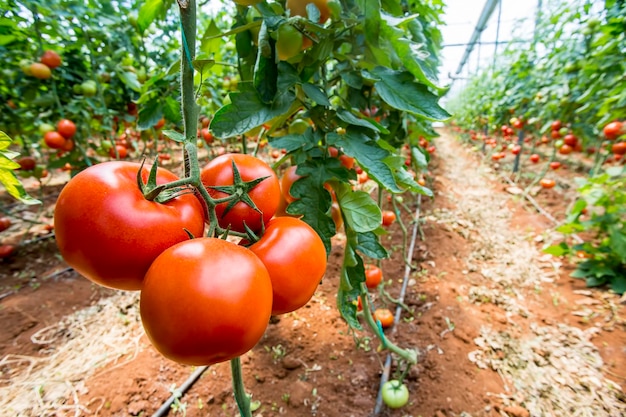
(395, 394)
(295, 258)
(298, 8)
(384, 316)
(265, 195)
(388, 217)
(286, 181)
(54, 140)
(289, 42)
(373, 276)
(41, 71)
(27, 163)
(613, 130)
(205, 301)
(6, 251)
(619, 148)
(66, 128)
(534, 158)
(122, 152)
(109, 232)
(51, 59)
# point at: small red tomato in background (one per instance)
(384, 316)
(51, 59)
(388, 217)
(54, 140)
(66, 128)
(555, 165)
(613, 130)
(5, 223)
(534, 158)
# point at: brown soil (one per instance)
(478, 276)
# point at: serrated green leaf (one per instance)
(419, 157)
(351, 119)
(361, 213)
(399, 90)
(211, 41)
(149, 115)
(369, 245)
(6, 161)
(247, 111)
(266, 76)
(346, 295)
(370, 156)
(5, 141)
(15, 188)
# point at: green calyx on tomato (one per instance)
(105, 227)
(395, 394)
(247, 189)
(226, 297)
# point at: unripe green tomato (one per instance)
(593, 23)
(289, 42)
(77, 88)
(89, 88)
(559, 143)
(253, 15)
(45, 128)
(127, 61)
(335, 9)
(227, 100)
(298, 127)
(563, 131)
(141, 75)
(25, 66)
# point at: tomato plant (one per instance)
(205, 301)
(295, 257)
(395, 394)
(102, 219)
(253, 208)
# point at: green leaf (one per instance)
(129, 79)
(369, 245)
(557, 250)
(14, 187)
(361, 213)
(346, 295)
(399, 90)
(171, 110)
(293, 142)
(149, 115)
(316, 94)
(266, 76)
(5, 141)
(351, 119)
(419, 157)
(617, 241)
(149, 11)
(247, 111)
(174, 135)
(618, 284)
(368, 154)
(211, 41)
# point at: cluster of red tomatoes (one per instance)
(205, 299)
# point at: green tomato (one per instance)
(298, 127)
(25, 66)
(142, 76)
(289, 42)
(559, 143)
(89, 88)
(395, 394)
(45, 128)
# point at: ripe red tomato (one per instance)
(565, 149)
(613, 130)
(388, 217)
(27, 163)
(51, 59)
(555, 165)
(298, 8)
(555, 134)
(160, 124)
(54, 140)
(66, 128)
(516, 149)
(384, 316)
(108, 231)
(556, 125)
(205, 301)
(619, 148)
(265, 195)
(6, 251)
(286, 181)
(41, 71)
(570, 140)
(346, 161)
(295, 258)
(5, 223)
(335, 213)
(373, 276)
(206, 135)
(534, 158)
(122, 152)
(547, 183)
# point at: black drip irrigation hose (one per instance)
(167, 405)
(407, 271)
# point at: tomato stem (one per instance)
(409, 355)
(242, 399)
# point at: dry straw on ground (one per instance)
(72, 350)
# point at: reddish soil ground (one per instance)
(308, 362)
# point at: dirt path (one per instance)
(501, 330)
